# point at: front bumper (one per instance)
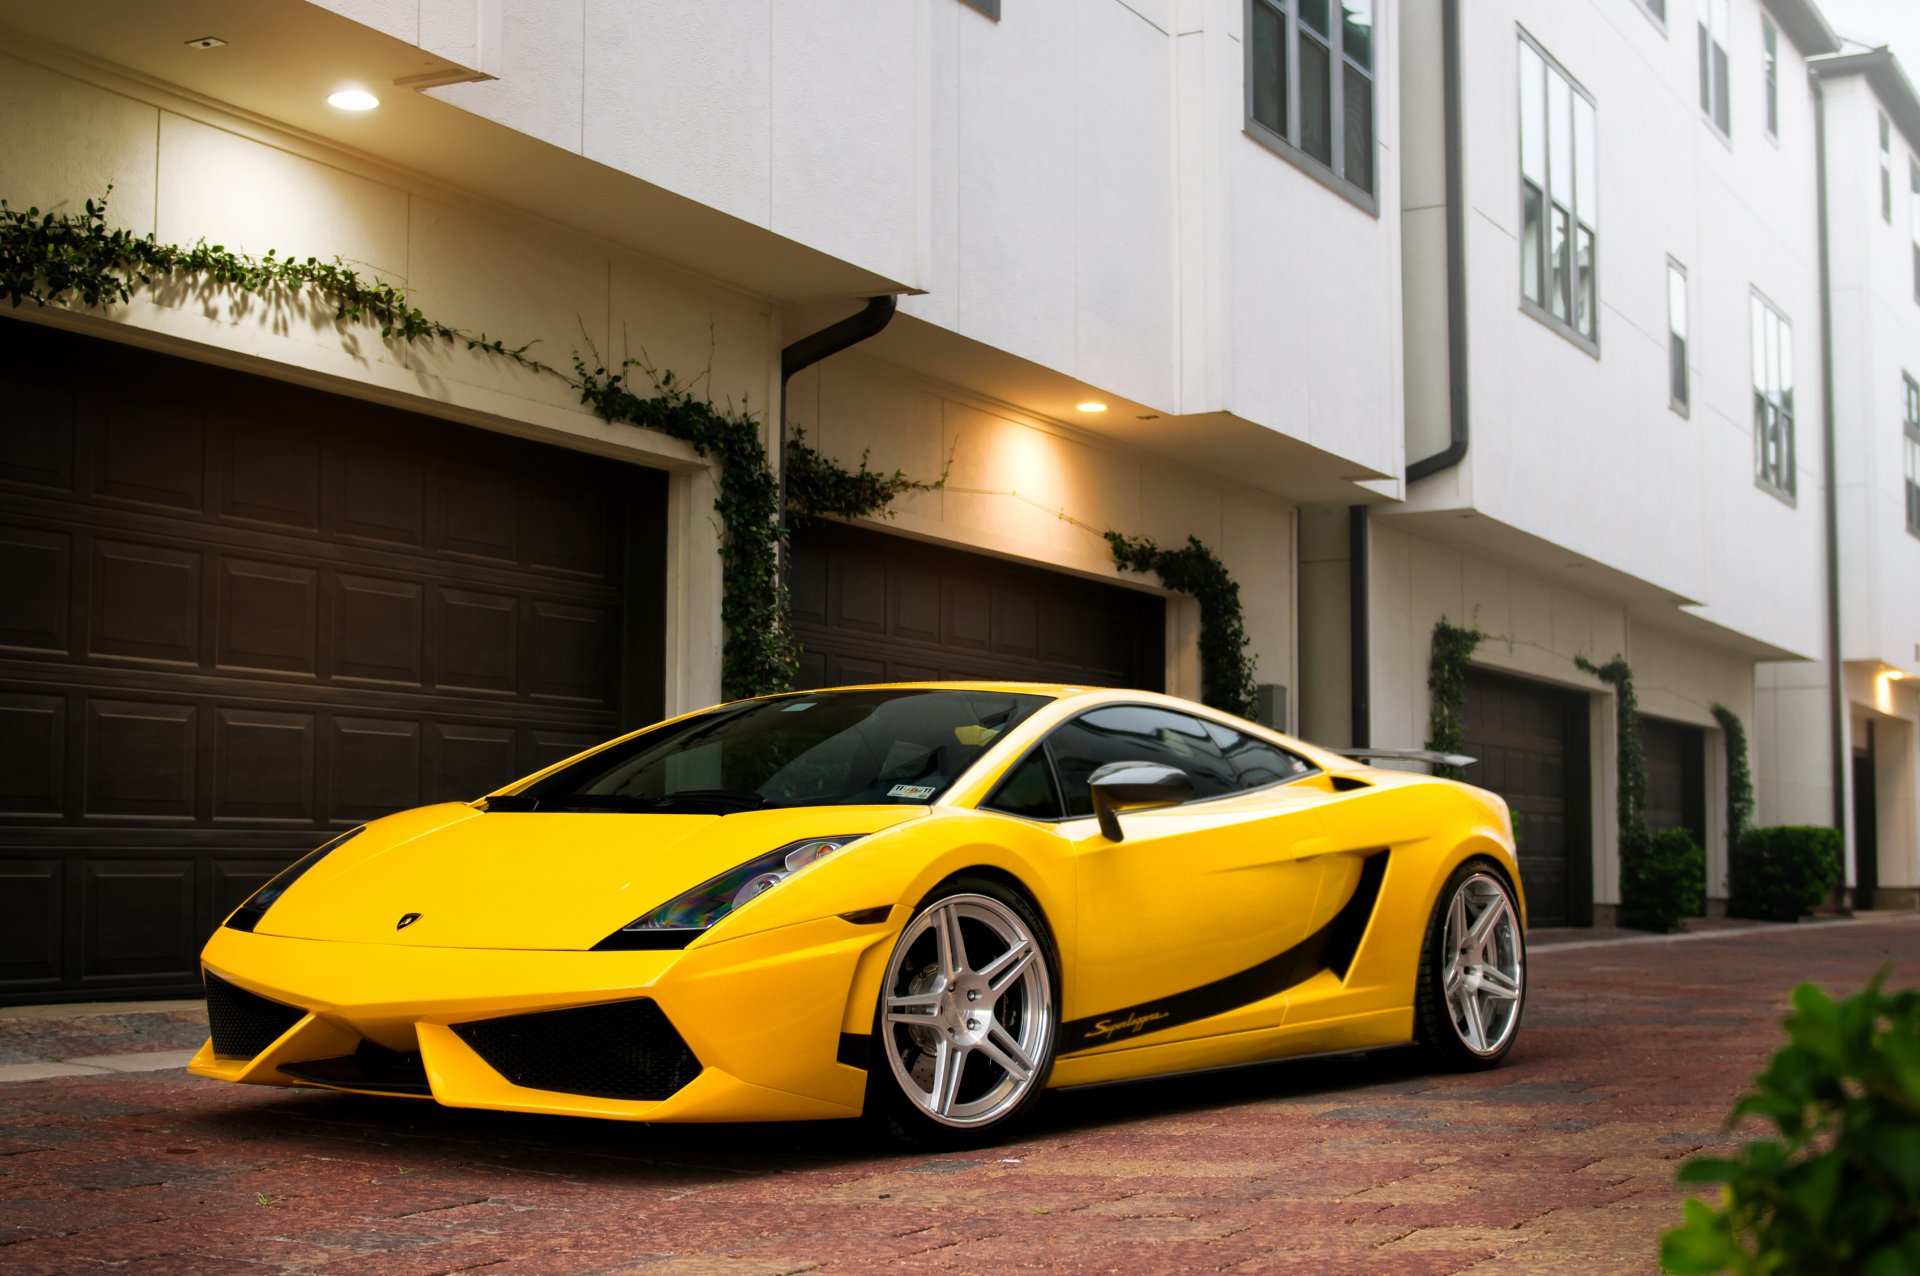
(762, 1016)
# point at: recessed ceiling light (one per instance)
(353, 100)
(206, 42)
(1091, 406)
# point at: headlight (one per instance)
(682, 919)
(248, 915)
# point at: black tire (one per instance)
(1445, 1041)
(1030, 1020)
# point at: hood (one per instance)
(532, 880)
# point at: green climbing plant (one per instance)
(1453, 649)
(1226, 667)
(1739, 777)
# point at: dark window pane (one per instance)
(1659, 8)
(1357, 103)
(1356, 34)
(1706, 70)
(1559, 258)
(1028, 790)
(1269, 68)
(1583, 307)
(1677, 369)
(1530, 244)
(1316, 99)
(1720, 115)
(1135, 733)
(1255, 763)
(1314, 14)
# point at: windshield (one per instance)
(841, 748)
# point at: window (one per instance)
(1770, 67)
(1911, 428)
(1679, 396)
(1657, 10)
(1913, 220)
(1028, 790)
(1713, 64)
(1886, 171)
(1310, 86)
(1559, 204)
(1220, 759)
(1772, 398)
(991, 8)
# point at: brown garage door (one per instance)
(869, 607)
(1531, 742)
(1676, 777)
(240, 616)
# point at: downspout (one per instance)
(1457, 424)
(1359, 625)
(811, 349)
(1837, 727)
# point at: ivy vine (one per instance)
(68, 259)
(1453, 649)
(1630, 751)
(76, 259)
(1739, 777)
(1226, 667)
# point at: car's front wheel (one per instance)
(967, 1019)
(1473, 971)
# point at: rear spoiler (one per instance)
(1428, 756)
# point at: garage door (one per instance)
(240, 616)
(1531, 742)
(1676, 777)
(869, 607)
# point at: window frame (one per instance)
(1714, 86)
(1913, 218)
(1575, 202)
(1060, 790)
(1760, 302)
(1910, 448)
(1331, 176)
(1886, 169)
(1770, 76)
(1684, 404)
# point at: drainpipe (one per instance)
(1457, 425)
(1837, 725)
(811, 349)
(1359, 624)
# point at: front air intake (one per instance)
(243, 1023)
(618, 1050)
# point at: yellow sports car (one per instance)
(924, 902)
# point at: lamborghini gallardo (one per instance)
(925, 903)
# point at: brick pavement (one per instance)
(1560, 1161)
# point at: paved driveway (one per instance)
(1561, 1161)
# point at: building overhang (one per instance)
(1805, 25)
(1644, 601)
(1888, 80)
(1221, 444)
(281, 59)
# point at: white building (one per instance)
(278, 574)
(1222, 269)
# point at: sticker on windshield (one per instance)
(800, 706)
(918, 792)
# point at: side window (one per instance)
(1255, 763)
(1136, 733)
(1027, 790)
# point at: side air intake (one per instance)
(619, 1050)
(241, 1023)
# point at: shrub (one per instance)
(1662, 880)
(1776, 874)
(1836, 1188)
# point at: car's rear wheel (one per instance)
(1473, 971)
(967, 1019)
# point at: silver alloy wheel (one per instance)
(1485, 964)
(968, 1010)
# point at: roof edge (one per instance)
(1888, 80)
(1805, 25)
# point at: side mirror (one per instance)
(1118, 786)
